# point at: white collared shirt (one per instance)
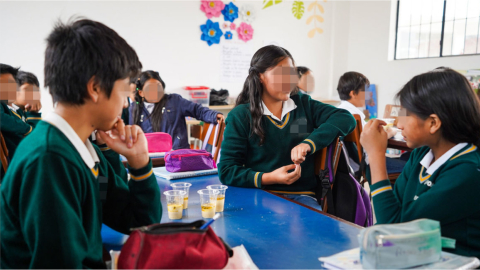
(14, 107)
(287, 107)
(85, 149)
(149, 107)
(427, 159)
(352, 109)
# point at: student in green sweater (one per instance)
(441, 180)
(270, 136)
(59, 188)
(27, 105)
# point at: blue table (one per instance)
(277, 233)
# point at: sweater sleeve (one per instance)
(13, 124)
(197, 111)
(329, 123)
(231, 170)
(32, 118)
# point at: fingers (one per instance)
(120, 127)
(104, 137)
(294, 176)
(136, 131)
(289, 167)
(128, 136)
(298, 154)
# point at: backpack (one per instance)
(344, 195)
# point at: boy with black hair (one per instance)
(60, 189)
(351, 89)
(27, 104)
(12, 126)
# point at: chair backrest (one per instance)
(3, 153)
(214, 139)
(355, 136)
(392, 111)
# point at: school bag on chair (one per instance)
(343, 194)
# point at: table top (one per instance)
(277, 233)
(398, 144)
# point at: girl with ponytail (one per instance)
(271, 135)
(155, 111)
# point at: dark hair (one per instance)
(27, 77)
(447, 94)
(265, 58)
(6, 69)
(302, 70)
(157, 113)
(79, 50)
(351, 81)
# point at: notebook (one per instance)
(350, 259)
(163, 173)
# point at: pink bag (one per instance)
(158, 142)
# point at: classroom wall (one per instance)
(166, 36)
(368, 49)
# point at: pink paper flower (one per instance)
(212, 8)
(233, 26)
(245, 32)
(225, 25)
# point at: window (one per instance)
(437, 28)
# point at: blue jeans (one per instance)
(304, 199)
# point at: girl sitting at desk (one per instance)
(155, 111)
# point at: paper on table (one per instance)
(240, 259)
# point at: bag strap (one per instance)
(207, 137)
(215, 138)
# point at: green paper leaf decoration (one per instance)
(269, 3)
(298, 9)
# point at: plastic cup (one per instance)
(185, 187)
(220, 197)
(208, 202)
(175, 203)
(389, 122)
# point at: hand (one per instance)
(391, 132)
(282, 176)
(33, 107)
(374, 138)
(299, 153)
(220, 118)
(128, 141)
(99, 140)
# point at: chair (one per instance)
(195, 135)
(3, 153)
(321, 162)
(354, 136)
(213, 139)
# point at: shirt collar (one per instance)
(149, 106)
(15, 107)
(85, 149)
(287, 107)
(427, 159)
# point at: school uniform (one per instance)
(446, 190)
(13, 127)
(304, 120)
(173, 120)
(57, 193)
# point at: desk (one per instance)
(398, 144)
(277, 233)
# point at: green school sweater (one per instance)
(450, 195)
(52, 205)
(243, 161)
(13, 128)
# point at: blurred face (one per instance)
(415, 131)
(357, 99)
(152, 91)
(107, 109)
(307, 82)
(8, 87)
(28, 94)
(280, 81)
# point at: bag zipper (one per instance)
(381, 237)
(189, 155)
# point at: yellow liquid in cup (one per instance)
(220, 204)
(185, 202)
(208, 210)
(175, 211)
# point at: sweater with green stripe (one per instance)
(450, 195)
(243, 161)
(52, 205)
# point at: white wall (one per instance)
(166, 36)
(368, 44)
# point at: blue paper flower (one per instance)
(211, 32)
(230, 12)
(228, 35)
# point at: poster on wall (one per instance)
(371, 102)
(235, 60)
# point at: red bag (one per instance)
(174, 246)
(158, 142)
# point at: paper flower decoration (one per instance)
(211, 32)
(228, 35)
(212, 8)
(247, 13)
(232, 26)
(245, 32)
(230, 12)
(225, 25)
